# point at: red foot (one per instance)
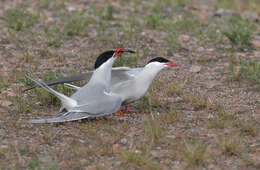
(121, 112)
(129, 109)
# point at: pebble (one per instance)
(124, 141)
(184, 37)
(5, 103)
(256, 43)
(195, 69)
(116, 147)
(46, 159)
(200, 49)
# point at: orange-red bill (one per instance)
(118, 52)
(172, 64)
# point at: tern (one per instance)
(94, 99)
(130, 83)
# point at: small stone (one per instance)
(195, 69)
(200, 49)
(116, 147)
(124, 141)
(177, 55)
(253, 16)
(184, 37)
(137, 151)
(154, 153)
(211, 84)
(5, 103)
(46, 159)
(71, 9)
(117, 163)
(256, 43)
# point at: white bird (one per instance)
(130, 83)
(94, 99)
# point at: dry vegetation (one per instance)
(205, 114)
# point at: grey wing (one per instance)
(97, 108)
(98, 103)
(74, 78)
(65, 117)
(120, 74)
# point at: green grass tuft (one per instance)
(20, 19)
(77, 24)
(153, 21)
(249, 70)
(195, 154)
(108, 12)
(239, 32)
(229, 146)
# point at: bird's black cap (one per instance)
(102, 58)
(159, 59)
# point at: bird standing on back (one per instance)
(94, 99)
(130, 83)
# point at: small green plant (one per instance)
(195, 154)
(35, 163)
(216, 123)
(143, 104)
(239, 32)
(183, 3)
(199, 101)
(76, 25)
(44, 3)
(109, 12)
(142, 161)
(132, 157)
(172, 39)
(223, 117)
(230, 4)
(172, 116)
(175, 88)
(154, 130)
(248, 129)
(52, 165)
(24, 151)
(190, 25)
(153, 21)
(229, 146)
(249, 70)
(20, 19)
(55, 35)
(251, 5)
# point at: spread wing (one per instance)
(65, 117)
(118, 74)
(74, 78)
(104, 106)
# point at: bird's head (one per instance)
(111, 54)
(161, 62)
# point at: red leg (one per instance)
(129, 109)
(121, 112)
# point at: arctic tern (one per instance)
(94, 99)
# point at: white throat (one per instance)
(149, 72)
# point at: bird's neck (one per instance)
(147, 75)
(102, 76)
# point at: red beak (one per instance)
(118, 52)
(172, 64)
